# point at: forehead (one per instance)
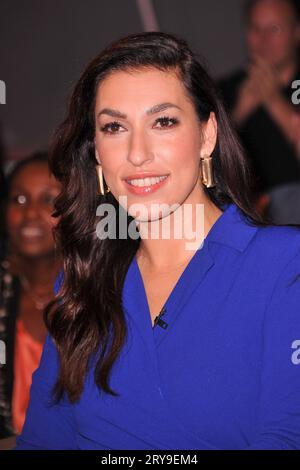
(140, 87)
(272, 10)
(34, 175)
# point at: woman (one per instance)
(178, 342)
(27, 274)
(2, 192)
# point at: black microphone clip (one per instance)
(158, 320)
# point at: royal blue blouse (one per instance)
(221, 372)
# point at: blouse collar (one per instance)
(232, 229)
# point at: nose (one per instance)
(269, 32)
(138, 152)
(266, 35)
(32, 211)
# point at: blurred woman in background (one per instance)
(2, 193)
(27, 274)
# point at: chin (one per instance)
(36, 252)
(155, 213)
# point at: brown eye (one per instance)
(48, 199)
(166, 122)
(111, 128)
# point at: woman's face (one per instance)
(30, 204)
(149, 140)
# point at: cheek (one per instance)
(108, 144)
(14, 217)
(54, 221)
(48, 219)
(182, 153)
(283, 45)
(112, 153)
(253, 41)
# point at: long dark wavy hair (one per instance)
(87, 320)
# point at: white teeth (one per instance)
(146, 181)
(31, 231)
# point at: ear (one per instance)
(209, 135)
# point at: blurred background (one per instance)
(44, 46)
(251, 48)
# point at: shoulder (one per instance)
(282, 265)
(276, 249)
(284, 239)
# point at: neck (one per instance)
(171, 251)
(38, 271)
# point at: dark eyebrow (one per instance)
(112, 112)
(161, 107)
(155, 109)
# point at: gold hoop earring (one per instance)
(101, 181)
(207, 173)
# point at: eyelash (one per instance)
(174, 122)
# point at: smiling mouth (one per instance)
(145, 185)
(31, 232)
(144, 182)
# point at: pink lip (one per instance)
(144, 190)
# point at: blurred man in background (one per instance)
(259, 99)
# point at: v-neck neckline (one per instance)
(179, 295)
(178, 282)
(136, 301)
(184, 273)
(188, 281)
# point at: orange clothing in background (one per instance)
(27, 357)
